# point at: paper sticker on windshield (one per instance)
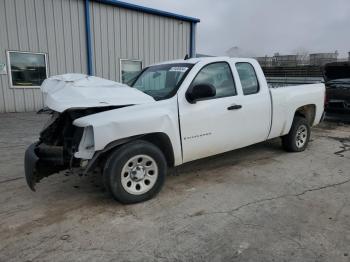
(178, 69)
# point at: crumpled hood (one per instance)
(81, 91)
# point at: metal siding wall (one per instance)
(6, 96)
(119, 33)
(57, 27)
(48, 26)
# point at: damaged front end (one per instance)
(63, 145)
(59, 145)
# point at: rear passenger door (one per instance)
(256, 103)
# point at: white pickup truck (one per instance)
(172, 113)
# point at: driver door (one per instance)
(211, 126)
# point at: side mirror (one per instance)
(200, 91)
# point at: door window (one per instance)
(129, 69)
(220, 76)
(249, 81)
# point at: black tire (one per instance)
(291, 141)
(112, 174)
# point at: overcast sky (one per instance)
(260, 27)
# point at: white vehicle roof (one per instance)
(206, 59)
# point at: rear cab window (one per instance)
(248, 78)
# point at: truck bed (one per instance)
(286, 100)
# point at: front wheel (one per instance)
(135, 172)
(298, 137)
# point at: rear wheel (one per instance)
(135, 172)
(298, 137)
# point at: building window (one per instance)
(26, 69)
(129, 69)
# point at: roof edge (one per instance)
(148, 10)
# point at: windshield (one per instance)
(162, 81)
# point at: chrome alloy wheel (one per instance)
(301, 136)
(139, 174)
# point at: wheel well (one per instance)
(162, 141)
(308, 112)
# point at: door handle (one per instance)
(234, 107)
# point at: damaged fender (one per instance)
(113, 125)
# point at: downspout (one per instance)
(193, 39)
(88, 38)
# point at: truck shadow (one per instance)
(90, 189)
(261, 152)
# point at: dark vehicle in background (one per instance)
(337, 81)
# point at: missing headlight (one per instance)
(86, 147)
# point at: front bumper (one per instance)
(30, 161)
(42, 161)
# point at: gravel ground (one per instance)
(254, 204)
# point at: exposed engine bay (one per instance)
(58, 142)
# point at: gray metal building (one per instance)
(106, 38)
(265, 61)
(320, 59)
(286, 60)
